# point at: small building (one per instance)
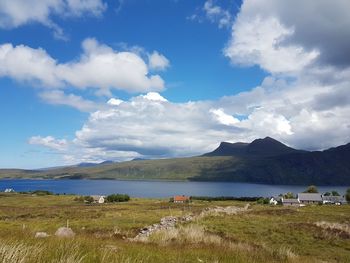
(181, 199)
(9, 190)
(290, 202)
(275, 200)
(310, 198)
(98, 199)
(338, 200)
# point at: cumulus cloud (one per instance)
(98, 67)
(49, 142)
(295, 32)
(157, 61)
(16, 13)
(260, 41)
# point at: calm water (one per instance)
(156, 188)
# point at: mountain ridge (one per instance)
(265, 161)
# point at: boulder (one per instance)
(64, 232)
(41, 235)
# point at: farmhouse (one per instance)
(309, 198)
(338, 200)
(181, 199)
(98, 199)
(275, 200)
(290, 202)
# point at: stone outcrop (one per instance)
(65, 232)
(41, 235)
(166, 223)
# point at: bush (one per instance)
(263, 201)
(85, 199)
(347, 195)
(289, 195)
(118, 198)
(311, 189)
(38, 192)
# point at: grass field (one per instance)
(103, 232)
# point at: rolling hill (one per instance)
(261, 161)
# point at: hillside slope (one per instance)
(262, 161)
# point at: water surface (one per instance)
(156, 188)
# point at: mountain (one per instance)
(258, 148)
(261, 161)
(93, 164)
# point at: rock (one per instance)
(41, 235)
(64, 232)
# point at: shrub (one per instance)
(88, 199)
(347, 195)
(311, 189)
(335, 193)
(118, 198)
(263, 201)
(289, 195)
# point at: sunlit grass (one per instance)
(262, 234)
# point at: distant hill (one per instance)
(93, 164)
(261, 161)
(258, 148)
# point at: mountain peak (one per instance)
(259, 147)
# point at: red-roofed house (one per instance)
(181, 199)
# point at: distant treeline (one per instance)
(37, 192)
(226, 198)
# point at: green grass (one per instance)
(263, 234)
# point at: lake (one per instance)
(156, 189)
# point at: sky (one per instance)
(96, 80)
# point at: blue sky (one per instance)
(221, 71)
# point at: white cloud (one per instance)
(50, 142)
(157, 61)
(99, 67)
(58, 97)
(154, 96)
(217, 14)
(15, 13)
(223, 118)
(260, 41)
(114, 102)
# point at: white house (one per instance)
(275, 200)
(9, 190)
(98, 199)
(290, 202)
(309, 198)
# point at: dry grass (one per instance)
(190, 234)
(337, 230)
(18, 252)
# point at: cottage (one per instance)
(338, 200)
(275, 200)
(309, 198)
(181, 199)
(290, 202)
(98, 199)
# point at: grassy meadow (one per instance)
(103, 232)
